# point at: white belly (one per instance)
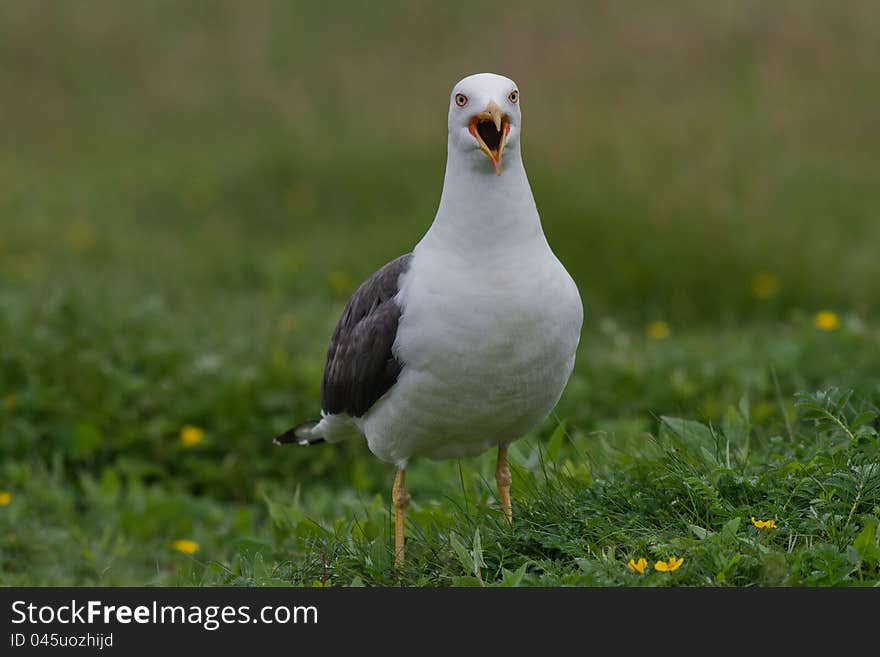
(486, 357)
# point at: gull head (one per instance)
(484, 119)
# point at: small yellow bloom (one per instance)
(638, 566)
(5, 498)
(339, 282)
(669, 565)
(191, 436)
(658, 330)
(764, 524)
(10, 401)
(765, 284)
(186, 546)
(827, 320)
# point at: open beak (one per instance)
(490, 129)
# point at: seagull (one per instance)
(467, 342)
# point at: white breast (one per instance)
(487, 349)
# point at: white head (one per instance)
(484, 120)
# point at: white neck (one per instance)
(481, 212)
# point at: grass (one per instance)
(170, 192)
(100, 477)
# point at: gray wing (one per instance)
(360, 366)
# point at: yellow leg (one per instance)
(400, 499)
(502, 477)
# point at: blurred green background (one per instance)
(674, 149)
(190, 191)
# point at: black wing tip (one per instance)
(300, 435)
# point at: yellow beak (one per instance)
(494, 113)
(491, 143)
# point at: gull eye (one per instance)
(513, 96)
(460, 100)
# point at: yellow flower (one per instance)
(638, 566)
(339, 282)
(765, 284)
(764, 524)
(191, 436)
(827, 320)
(669, 565)
(5, 498)
(10, 401)
(186, 546)
(658, 330)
